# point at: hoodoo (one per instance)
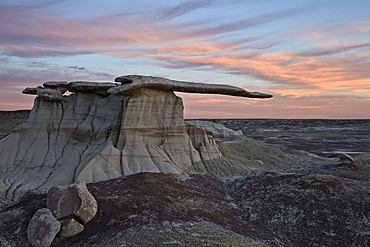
(106, 130)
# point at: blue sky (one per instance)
(313, 56)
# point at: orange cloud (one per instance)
(330, 60)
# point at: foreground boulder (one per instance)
(69, 207)
(72, 202)
(42, 229)
(69, 228)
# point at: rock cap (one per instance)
(133, 83)
(90, 87)
(55, 84)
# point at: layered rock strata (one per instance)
(103, 131)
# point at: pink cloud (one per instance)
(327, 66)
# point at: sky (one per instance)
(313, 56)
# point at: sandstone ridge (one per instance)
(105, 130)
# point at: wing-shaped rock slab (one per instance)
(133, 83)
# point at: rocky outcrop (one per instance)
(43, 228)
(218, 131)
(103, 131)
(347, 158)
(203, 142)
(58, 138)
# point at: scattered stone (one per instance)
(132, 83)
(70, 228)
(346, 157)
(42, 228)
(72, 202)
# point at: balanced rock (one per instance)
(72, 202)
(69, 228)
(42, 228)
(132, 83)
(103, 131)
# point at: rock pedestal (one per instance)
(105, 130)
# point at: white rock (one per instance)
(203, 141)
(218, 131)
(346, 157)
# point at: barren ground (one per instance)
(291, 198)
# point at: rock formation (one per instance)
(105, 130)
(218, 131)
(132, 83)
